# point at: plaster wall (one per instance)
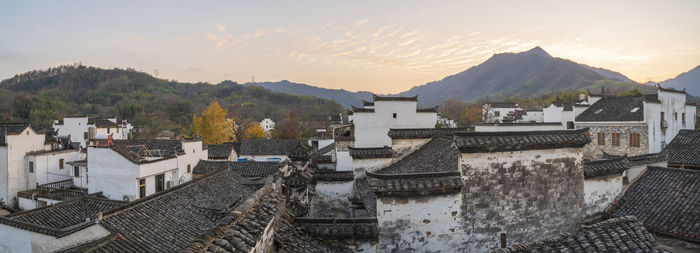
(534, 116)
(370, 165)
(15, 240)
(423, 223)
(76, 127)
(671, 103)
(528, 195)
(332, 199)
(111, 174)
(343, 161)
(371, 128)
(264, 158)
(405, 146)
(600, 192)
(553, 113)
(15, 167)
(47, 166)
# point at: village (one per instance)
(606, 173)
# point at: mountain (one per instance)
(343, 97)
(690, 81)
(154, 104)
(530, 73)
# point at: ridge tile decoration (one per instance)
(605, 167)
(666, 200)
(623, 234)
(369, 153)
(477, 142)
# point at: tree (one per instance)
(470, 115)
(212, 126)
(631, 93)
(255, 132)
(22, 107)
(452, 108)
(287, 128)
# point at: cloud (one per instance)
(361, 22)
(221, 27)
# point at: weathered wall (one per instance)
(18, 146)
(634, 172)
(111, 174)
(18, 240)
(592, 150)
(404, 146)
(47, 168)
(343, 160)
(528, 195)
(671, 102)
(370, 165)
(600, 192)
(332, 199)
(421, 223)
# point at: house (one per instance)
(134, 169)
(684, 150)
(459, 191)
(500, 111)
(446, 123)
(532, 115)
(227, 151)
(47, 169)
(82, 129)
(268, 150)
(603, 183)
(29, 158)
(623, 234)
(635, 125)
(565, 113)
(665, 200)
(267, 124)
(343, 138)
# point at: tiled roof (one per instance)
(624, 234)
(646, 159)
(666, 200)
(327, 149)
(497, 104)
(658, 86)
(684, 149)
(220, 151)
(370, 153)
(521, 124)
(267, 147)
(103, 123)
(357, 109)
(11, 129)
(365, 228)
(171, 220)
(333, 175)
(614, 109)
(322, 159)
(386, 98)
(423, 133)
(158, 148)
(477, 142)
(242, 229)
(62, 218)
(367, 103)
(437, 155)
(414, 184)
(244, 168)
(427, 110)
(301, 152)
(605, 167)
(366, 195)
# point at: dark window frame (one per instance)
(160, 182)
(60, 163)
(142, 188)
(635, 140)
(395, 115)
(601, 138)
(615, 139)
(31, 166)
(76, 171)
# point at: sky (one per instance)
(378, 46)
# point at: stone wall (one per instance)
(593, 151)
(528, 195)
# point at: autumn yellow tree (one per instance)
(255, 132)
(470, 115)
(212, 126)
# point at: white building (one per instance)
(16, 140)
(130, 170)
(267, 124)
(564, 113)
(518, 127)
(81, 129)
(500, 110)
(635, 125)
(447, 123)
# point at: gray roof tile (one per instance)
(614, 109)
(477, 142)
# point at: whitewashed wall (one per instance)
(16, 170)
(370, 165)
(671, 102)
(193, 154)
(553, 113)
(332, 199)
(343, 161)
(535, 116)
(47, 168)
(76, 127)
(263, 158)
(371, 128)
(405, 146)
(111, 174)
(420, 223)
(15, 240)
(600, 192)
(4, 175)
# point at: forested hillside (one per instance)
(152, 103)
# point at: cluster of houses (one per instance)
(387, 181)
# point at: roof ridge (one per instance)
(673, 169)
(516, 133)
(620, 158)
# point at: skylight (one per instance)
(635, 109)
(598, 111)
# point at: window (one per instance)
(31, 167)
(601, 139)
(394, 115)
(569, 125)
(40, 203)
(616, 139)
(663, 115)
(108, 129)
(683, 118)
(189, 168)
(142, 188)
(634, 140)
(60, 164)
(117, 130)
(76, 171)
(675, 116)
(160, 182)
(497, 113)
(85, 135)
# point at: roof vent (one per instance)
(598, 111)
(635, 109)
